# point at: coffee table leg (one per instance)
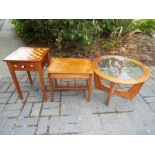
(51, 87)
(111, 90)
(89, 87)
(29, 76)
(56, 82)
(15, 80)
(42, 83)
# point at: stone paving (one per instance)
(70, 113)
(9, 42)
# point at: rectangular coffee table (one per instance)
(28, 59)
(70, 68)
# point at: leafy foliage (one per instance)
(146, 25)
(68, 31)
(118, 27)
(29, 30)
(59, 32)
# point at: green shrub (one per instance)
(29, 30)
(118, 27)
(59, 32)
(146, 25)
(68, 31)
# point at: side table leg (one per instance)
(42, 83)
(29, 76)
(48, 59)
(56, 82)
(15, 80)
(89, 87)
(111, 90)
(51, 87)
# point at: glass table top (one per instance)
(120, 67)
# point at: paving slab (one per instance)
(131, 120)
(26, 110)
(91, 123)
(30, 121)
(8, 126)
(36, 109)
(24, 130)
(112, 124)
(42, 126)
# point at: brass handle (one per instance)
(15, 66)
(23, 66)
(31, 65)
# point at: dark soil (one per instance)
(137, 46)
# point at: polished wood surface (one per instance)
(15, 80)
(70, 68)
(111, 90)
(89, 85)
(51, 87)
(70, 76)
(128, 94)
(27, 54)
(28, 59)
(144, 77)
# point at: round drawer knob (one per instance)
(15, 66)
(23, 66)
(31, 65)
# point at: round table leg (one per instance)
(111, 90)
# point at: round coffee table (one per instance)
(119, 70)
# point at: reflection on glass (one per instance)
(121, 68)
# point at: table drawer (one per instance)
(23, 66)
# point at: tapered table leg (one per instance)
(51, 87)
(89, 86)
(29, 76)
(15, 80)
(42, 83)
(111, 90)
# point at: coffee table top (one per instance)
(27, 54)
(70, 66)
(119, 69)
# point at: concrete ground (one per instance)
(9, 42)
(70, 113)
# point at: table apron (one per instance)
(69, 76)
(24, 66)
(70, 88)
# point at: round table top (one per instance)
(120, 69)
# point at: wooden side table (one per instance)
(28, 59)
(119, 70)
(70, 68)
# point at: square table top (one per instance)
(27, 54)
(70, 66)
